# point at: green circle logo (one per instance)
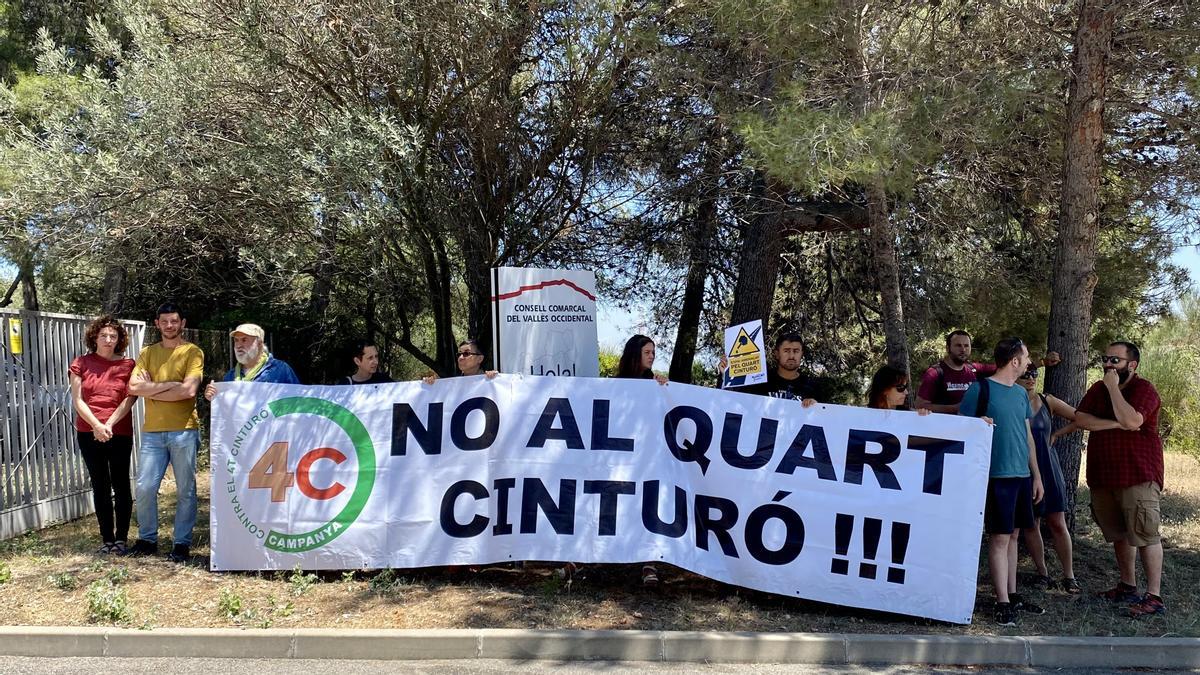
(364, 452)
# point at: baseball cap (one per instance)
(251, 329)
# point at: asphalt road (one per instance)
(39, 666)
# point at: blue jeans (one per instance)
(179, 448)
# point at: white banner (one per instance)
(851, 506)
(544, 322)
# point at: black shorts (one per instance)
(1009, 505)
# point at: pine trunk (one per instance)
(1075, 261)
(113, 294)
(882, 235)
(758, 264)
(703, 231)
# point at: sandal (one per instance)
(568, 571)
(1071, 586)
(649, 575)
(1042, 581)
(105, 549)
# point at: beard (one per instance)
(247, 357)
(1122, 374)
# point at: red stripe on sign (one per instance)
(544, 284)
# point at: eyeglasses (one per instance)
(1114, 360)
(467, 355)
(901, 387)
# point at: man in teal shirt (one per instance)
(1014, 484)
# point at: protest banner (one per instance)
(544, 322)
(746, 355)
(852, 506)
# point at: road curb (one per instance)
(608, 645)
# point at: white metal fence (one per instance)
(42, 475)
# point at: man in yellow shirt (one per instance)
(167, 376)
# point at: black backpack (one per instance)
(981, 404)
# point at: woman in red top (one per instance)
(100, 393)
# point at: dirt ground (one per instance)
(56, 579)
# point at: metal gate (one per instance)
(43, 479)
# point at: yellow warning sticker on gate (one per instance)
(15, 344)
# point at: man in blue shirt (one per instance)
(1014, 484)
(254, 362)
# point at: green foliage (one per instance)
(229, 604)
(29, 543)
(299, 582)
(1171, 362)
(107, 602)
(63, 581)
(387, 582)
(609, 362)
(5, 572)
(117, 575)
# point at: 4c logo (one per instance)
(270, 472)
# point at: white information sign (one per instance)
(544, 322)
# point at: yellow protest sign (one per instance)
(744, 351)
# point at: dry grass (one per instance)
(52, 569)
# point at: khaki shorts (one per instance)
(1130, 514)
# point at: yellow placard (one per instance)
(15, 344)
(743, 345)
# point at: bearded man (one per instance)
(1125, 474)
(166, 376)
(254, 362)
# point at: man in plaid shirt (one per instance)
(1125, 473)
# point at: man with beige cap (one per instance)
(254, 362)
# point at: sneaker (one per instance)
(1020, 604)
(1149, 605)
(1071, 586)
(180, 554)
(143, 547)
(1042, 581)
(1122, 592)
(1005, 614)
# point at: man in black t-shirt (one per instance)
(785, 381)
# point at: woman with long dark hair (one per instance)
(1054, 502)
(637, 360)
(100, 395)
(889, 390)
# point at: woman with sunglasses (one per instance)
(889, 390)
(470, 362)
(1054, 504)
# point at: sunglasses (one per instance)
(901, 387)
(1114, 360)
(1029, 375)
(467, 355)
